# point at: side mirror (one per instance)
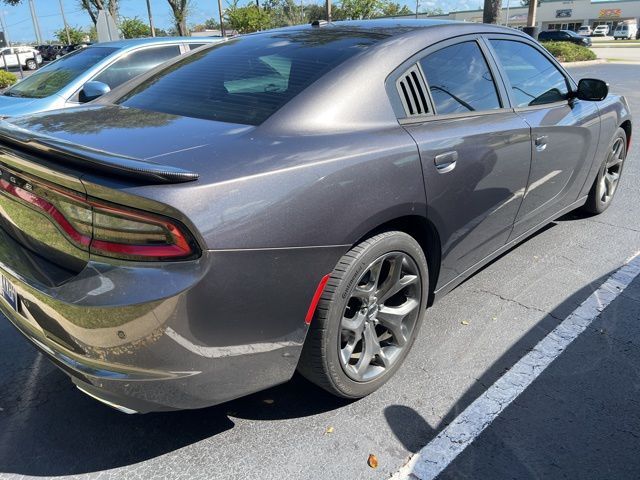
(592, 89)
(93, 90)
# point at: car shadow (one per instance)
(414, 432)
(49, 428)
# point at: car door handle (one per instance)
(541, 142)
(445, 162)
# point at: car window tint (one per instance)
(136, 63)
(534, 79)
(459, 79)
(193, 46)
(55, 76)
(247, 79)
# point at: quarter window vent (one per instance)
(412, 88)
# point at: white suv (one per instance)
(601, 31)
(29, 57)
(585, 30)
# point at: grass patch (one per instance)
(569, 52)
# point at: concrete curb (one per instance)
(586, 63)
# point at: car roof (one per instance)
(136, 42)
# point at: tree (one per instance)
(93, 6)
(359, 9)
(491, 11)
(315, 12)
(284, 12)
(247, 19)
(180, 11)
(77, 35)
(391, 9)
(134, 28)
(13, 3)
(430, 12)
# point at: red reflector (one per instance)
(316, 299)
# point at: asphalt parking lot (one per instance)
(578, 419)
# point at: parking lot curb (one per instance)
(586, 63)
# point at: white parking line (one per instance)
(458, 435)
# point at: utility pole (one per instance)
(224, 34)
(153, 29)
(66, 25)
(507, 21)
(36, 25)
(4, 29)
(328, 3)
(531, 28)
(417, 7)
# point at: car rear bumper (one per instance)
(190, 336)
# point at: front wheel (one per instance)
(606, 183)
(368, 316)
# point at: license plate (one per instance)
(9, 293)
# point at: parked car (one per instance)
(84, 74)
(291, 199)
(625, 31)
(601, 31)
(585, 30)
(28, 57)
(52, 52)
(564, 36)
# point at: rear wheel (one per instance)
(368, 317)
(31, 65)
(606, 182)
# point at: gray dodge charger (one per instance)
(289, 200)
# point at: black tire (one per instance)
(597, 202)
(320, 360)
(31, 65)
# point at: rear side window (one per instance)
(460, 80)
(136, 63)
(247, 79)
(534, 79)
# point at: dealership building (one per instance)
(559, 14)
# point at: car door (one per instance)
(475, 150)
(9, 58)
(564, 131)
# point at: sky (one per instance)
(20, 26)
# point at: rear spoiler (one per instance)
(65, 152)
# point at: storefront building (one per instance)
(560, 14)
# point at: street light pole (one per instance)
(221, 19)
(4, 29)
(36, 25)
(417, 7)
(66, 25)
(507, 22)
(328, 5)
(153, 28)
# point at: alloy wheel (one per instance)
(380, 316)
(612, 170)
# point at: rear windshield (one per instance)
(246, 80)
(57, 75)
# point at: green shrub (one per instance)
(7, 79)
(569, 52)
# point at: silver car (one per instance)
(85, 74)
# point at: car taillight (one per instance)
(105, 229)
